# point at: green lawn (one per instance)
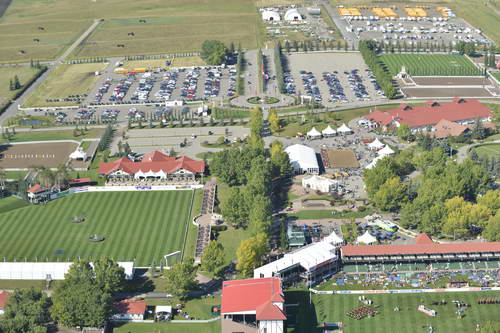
(429, 64)
(192, 232)
(497, 75)
(492, 150)
(52, 135)
(11, 203)
(66, 80)
(328, 214)
(7, 73)
(230, 113)
(231, 240)
(20, 284)
(15, 174)
(168, 328)
(140, 226)
(333, 308)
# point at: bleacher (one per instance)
(420, 267)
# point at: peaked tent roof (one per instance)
(344, 129)
(78, 153)
(366, 238)
(314, 132)
(376, 144)
(386, 151)
(333, 238)
(329, 131)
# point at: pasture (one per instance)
(430, 64)
(65, 81)
(7, 73)
(139, 226)
(333, 308)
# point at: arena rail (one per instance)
(401, 291)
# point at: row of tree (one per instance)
(106, 138)
(278, 56)
(310, 45)
(368, 50)
(489, 59)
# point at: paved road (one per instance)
(350, 37)
(251, 73)
(13, 108)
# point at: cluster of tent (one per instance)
(328, 132)
(382, 149)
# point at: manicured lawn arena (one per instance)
(333, 308)
(430, 64)
(140, 226)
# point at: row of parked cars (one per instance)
(289, 82)
(120, 90)
(311, 85)
(357, 86)
(335, 88)
(376, 86)
(190, 84)
(167, 85)
(141, 93)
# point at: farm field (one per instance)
(430, 64)
(66, 80)
(7, 73)
(333, 308)
(139, 226)
(489, 151)
(183, 29)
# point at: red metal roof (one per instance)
(253, 295)
(423, 239)
(169, 165)
(431, 113)
(79, 180)
(4, 296)
(446, 128)
(37, 189)
(157, 156)
(130, 306)
(414, 249)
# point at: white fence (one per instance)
(401, 291)
(136, 188)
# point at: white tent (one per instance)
(293, 15)
(333, 238)
(366, 238)
(376, 144)
(319, 183)
(385, 151)
(328, 132)
(374, 162)
(313, 134)
(303, 159)
(270, 15)
(344, 129)
(78, 154)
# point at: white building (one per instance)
(318, 183)
(293, 15)
(253, 306)
(303, 159)
(46, 270)
(271, 16)
(311, 263)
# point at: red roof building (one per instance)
(4, 297)
(252, 305)
(445, 128)
(424, 249)
(129, 309)
(154, 165)
(421, 117)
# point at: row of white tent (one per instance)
(383, 151)
(328, 132)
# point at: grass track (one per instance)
(429, 64)
(137, 225)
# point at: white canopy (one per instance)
(376, 144)
(374, 162)
(78, 154)
(314, 133)
(385, 151)
(318, 183)
(366, 238)
(329, 131)
(270, 15)
(293, 15)
(344, 129)
(333, 238)
(303, 159)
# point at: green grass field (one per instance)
(169, 328)
(497, 75)
(64, 81)
(140, 226)
(52, 135)
(11, 203)
(408, 319)
(328, 214)
(429, 64)
(7, 73)
(489, 151)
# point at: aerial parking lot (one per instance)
(333, 78)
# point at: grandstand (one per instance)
(424, 255)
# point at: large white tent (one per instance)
(385, 151)
(344, 129)
(293, 15)
(366, 238)
(270, 15)
(303, 159)
(374, 162)
(319, 183)
(376, 144)
(328, 132)
(44, 270)
(78, 154)
(314, 134)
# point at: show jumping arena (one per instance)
(23, 156)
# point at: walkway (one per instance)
(205, 219)
(463, 152)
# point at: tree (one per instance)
(250, 253)
(27, 311)
(109, 276)
(379, 174)
(283, 236)
(492, 229)
(279, 160)
(213, 52)
(17, 84)
(478, 131)
(490, 199)
(461, 215)
(274, 121)
(391, 195)
(404, 132)
(260, 215)
(212, 259)
(235, 208)
(61, 175)
(180, 279)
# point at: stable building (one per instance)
(253, 306)
(303, 159)
(156, 166)
(129, 310)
